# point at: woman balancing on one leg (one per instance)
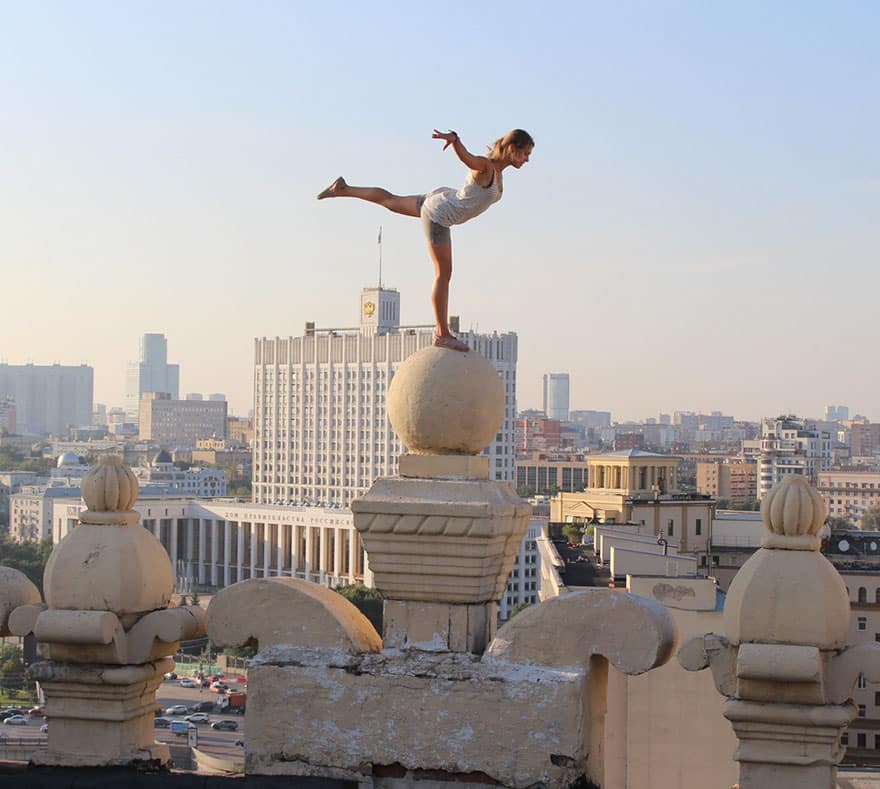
(444, 207)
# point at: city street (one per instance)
(216, 743)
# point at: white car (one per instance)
(198, 717)
(177, 709)
(16, 720)
(187, 683)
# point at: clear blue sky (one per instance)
(697, 229)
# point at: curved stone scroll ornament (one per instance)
(16, 590)
(632, 633)
(288, 611)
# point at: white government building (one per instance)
(321, 436)
(321, 431)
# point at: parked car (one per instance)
(4, 714)
(177, 709)
(162, 723)
(225, 725)
(16, 720)
(187, 683)
(198, 717)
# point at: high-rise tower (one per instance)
(556, 401)
(151, 373)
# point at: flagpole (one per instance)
(380, 257)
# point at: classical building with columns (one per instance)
(638, 487)
(213, 544)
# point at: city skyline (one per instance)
(696, 229)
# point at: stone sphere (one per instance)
(445, 402)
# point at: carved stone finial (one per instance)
(446, 403)
(123, 569)
(793, 512)
(111, 486)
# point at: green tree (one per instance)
(517, 608)
(871, 518)
(525, 491)
(29, 557)
(367, 601)
(12, 459)
(838, 523)
(572, 533)
(12, 670)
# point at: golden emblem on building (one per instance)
(369, 308)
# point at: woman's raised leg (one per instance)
(441, 254)
(408, 205)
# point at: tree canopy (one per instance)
(29, 557)
(367, 601)
(871, 518)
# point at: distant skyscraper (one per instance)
(836, 413)
(48, 398)
(321, 430)
(151, 373)
(556, 396)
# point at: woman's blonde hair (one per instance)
(517, 138)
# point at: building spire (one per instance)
(380, 257)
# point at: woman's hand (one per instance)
(449, 136)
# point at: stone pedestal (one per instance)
(783, 745)
(444, 700)
(441, 547)
(107, 630)
(102, 714)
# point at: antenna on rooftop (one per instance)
(380, 257)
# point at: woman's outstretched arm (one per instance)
(480, 164)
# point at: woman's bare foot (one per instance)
(450, 342)
(334, 188)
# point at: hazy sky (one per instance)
(697, 228)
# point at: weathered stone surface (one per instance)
(438, 627)
(441, 540)
(787, 596)
(288, 611)
(517, 725)
(446, 402)
(633, 633)
(444, 466)
(16, 589)
(101, 715)
(116, 568)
